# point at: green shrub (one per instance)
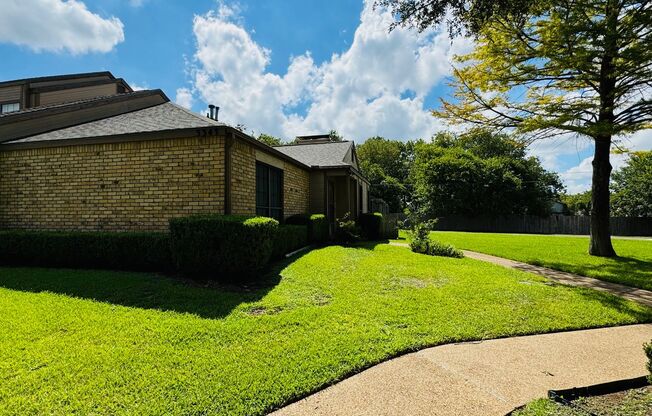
(421, 242)
(318, 229)
(372, 225)
(298, 219)
(289, 238)
(316, 223)
(648, 352)
(436, 248)
(222, 247)
(346, 230)
(136, 251)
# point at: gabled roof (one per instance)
(162, 117)
(324, 155)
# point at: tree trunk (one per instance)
(600, 232)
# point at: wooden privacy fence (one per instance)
(556, 224)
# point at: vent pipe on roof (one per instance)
(212, 112)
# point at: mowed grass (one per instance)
(632, 267)
(99, 342)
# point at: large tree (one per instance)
(386, 163)
(480, 173)
(270, 140)
(632, 187)
(460, 16)
(561, 67)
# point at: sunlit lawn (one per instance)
(99, 342)
(633, 267)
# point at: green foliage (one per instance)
(632, 187)
(222, 247)
(118, 343)
(318, 228)
(94, 250)
(334, 136)
(269, 140)
(386, 164)
(371, 225)
(421, 241)
(480, 173)
(289, 238)
(578, 204)
(578, 67)
(346, 230)
(458, 17)
(648, 353)
(316, 223)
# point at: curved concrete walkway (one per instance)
(637, 295)
(484, 378)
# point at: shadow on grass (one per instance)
(627, 271)
(145, 290)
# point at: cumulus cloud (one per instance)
(184, 98)
(376, 87)
(138, 86)
(57, 26)
(578, 178)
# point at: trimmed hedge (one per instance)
(289, 238)
(100, 250)
(222, 247)
(318, 229)
(372, 225)
(317, 226)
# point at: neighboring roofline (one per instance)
(312, 144)
(38, 112)
(56, 78)
(39, 120)
(81, 84)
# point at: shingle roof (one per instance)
(166, 116)
(319, 154)
(102, 99)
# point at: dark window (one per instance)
(269, 191)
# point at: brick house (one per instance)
(86, 152)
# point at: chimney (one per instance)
(213, 110)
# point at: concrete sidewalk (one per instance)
(637, 295)
(484, 378)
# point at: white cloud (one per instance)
(56, 26)
(138, 87)
(377, 86)
(578, 178)
(184, 98)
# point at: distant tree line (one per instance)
(474, 173)
(631, 190)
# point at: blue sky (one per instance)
(284, 67)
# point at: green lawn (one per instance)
(633, 267)
(636, 402)
(93, 342)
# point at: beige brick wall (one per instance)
(296, 183)
(243, 178)
(118, 186)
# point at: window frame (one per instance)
(8, 103)
(267, 209)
